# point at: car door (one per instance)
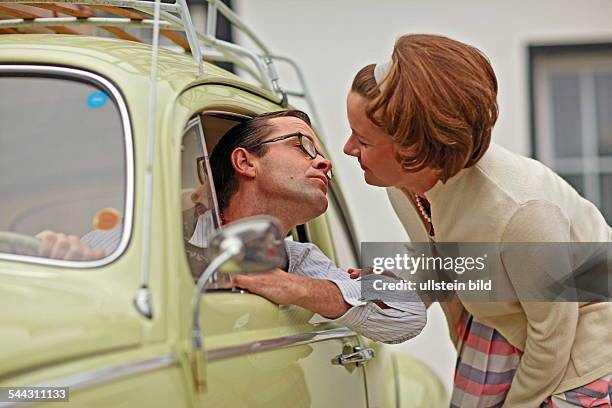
(259, 353)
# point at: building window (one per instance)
(571, 107)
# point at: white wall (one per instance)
(332, 39)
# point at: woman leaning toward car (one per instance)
(421, 126)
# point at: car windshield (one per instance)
(62, 164)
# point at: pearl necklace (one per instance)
(422, 208)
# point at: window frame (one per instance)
(196, 120)
(346, 228)
(102, 83)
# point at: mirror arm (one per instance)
(232, 247)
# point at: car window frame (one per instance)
(335, 209)
(196, 120)
(104, 84)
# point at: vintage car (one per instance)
(110, 135)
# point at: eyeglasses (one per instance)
(306, 144)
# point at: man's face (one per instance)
(286, 174)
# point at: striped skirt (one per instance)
(486, 365)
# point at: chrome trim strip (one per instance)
(236, 117)
(90, 21)
(88, 379)
(129, 163)
(278, 343)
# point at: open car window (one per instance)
(64, 144)
(199, 208)
(201, 215)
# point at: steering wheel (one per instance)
(20, 244)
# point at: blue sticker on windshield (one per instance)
(97, 99)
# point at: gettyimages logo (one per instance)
(488, 272)
(411, 264)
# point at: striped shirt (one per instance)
(106, 240)
(402, 321)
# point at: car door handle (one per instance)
(359, 356)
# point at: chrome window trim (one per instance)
(88, 379)
(337, 195)
(222, 353)
(129, 163)
(227, 115)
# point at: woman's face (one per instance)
(373, 148)
(375, 151)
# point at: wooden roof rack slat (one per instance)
(176, 38)
(119, 12)
(117, 32)
(121, 33)
(64, 30)
(62, 9)
(31, 16)
(171, 35)
(9, 11)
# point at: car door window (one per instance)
(66, 159)
(198, 199)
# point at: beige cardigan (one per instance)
(510, 198)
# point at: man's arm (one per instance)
(317, 284)
(317, 295)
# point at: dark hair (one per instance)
(248, 135)
(438, 102)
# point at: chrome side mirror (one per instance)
(253, 244)
(256, 242)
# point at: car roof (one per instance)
(116, 58)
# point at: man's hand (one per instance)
(356, 273)
(277, 286)
(317, 295)
(67, 247)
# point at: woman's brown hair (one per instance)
(438, 101)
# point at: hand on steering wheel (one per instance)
(57, 245)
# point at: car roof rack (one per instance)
(113, 16)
